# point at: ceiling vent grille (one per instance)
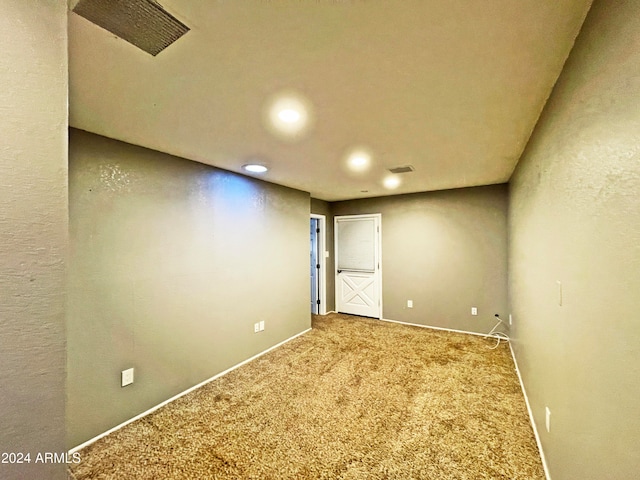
(403, 169)
(143, 23)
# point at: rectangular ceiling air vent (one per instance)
(143, 23)
(403, 169)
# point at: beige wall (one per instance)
(172, 263)
(444, 250)
(33, 232)
(575, 218)
(320, 207)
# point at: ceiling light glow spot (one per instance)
(391, 182)
(288, 115)
(359, 160)
(255, 168)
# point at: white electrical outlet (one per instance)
(127, 377)
(261, 325)
(256, 327)
(409, 303)
(510, 320)
(547, 418)
(474, 311)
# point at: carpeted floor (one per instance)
(354, 398)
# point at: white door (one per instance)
(358, 273)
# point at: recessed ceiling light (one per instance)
(288, 115)
(391, 182)
(255, 168)
(359, 160)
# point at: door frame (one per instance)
(322, 260)
(379, 252)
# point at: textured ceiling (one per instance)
(452, 87)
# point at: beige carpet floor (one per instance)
(354, 398)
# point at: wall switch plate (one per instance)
(510, 320)
(256, 327)
(474, 311)
(127, 377)
(409, 303)
(261, 325)
(547, 418)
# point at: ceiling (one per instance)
(452, 87)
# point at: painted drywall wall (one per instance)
(320, 207)
(172, 263)
(575, 219)
(33, 234)
(444, 250)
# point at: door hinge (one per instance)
(318, 265)
(318, 302)
(317, 230)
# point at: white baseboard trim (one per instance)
(443, 329)
(175, 397)
(533, 423)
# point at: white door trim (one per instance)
(322, 259)
(379, 255)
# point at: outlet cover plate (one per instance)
(127, 377)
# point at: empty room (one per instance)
(320, 239)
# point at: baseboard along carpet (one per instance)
(354, 398)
